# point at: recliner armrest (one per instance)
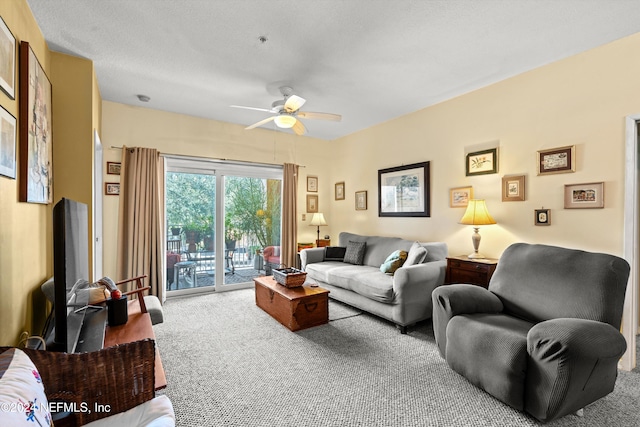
(452, 300)
(573, 362)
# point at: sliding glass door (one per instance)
(220, 217)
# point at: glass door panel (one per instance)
(190, 216)
(252, 218)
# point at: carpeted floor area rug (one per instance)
(228, 363)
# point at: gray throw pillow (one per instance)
(417, 254)
(355, 252)
(334, 253)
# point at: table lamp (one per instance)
(476, 214)
(318, 219)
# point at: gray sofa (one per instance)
(403, 298)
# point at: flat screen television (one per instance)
(70, 264)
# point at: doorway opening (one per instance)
(220, 216)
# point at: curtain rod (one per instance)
(180, 156)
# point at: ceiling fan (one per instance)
(287, 112)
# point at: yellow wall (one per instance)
(579, 101)
(74, 124)
(184, 135)
(25, 237)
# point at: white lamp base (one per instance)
(475, 238)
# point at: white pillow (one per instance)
(417, 254)
(22, 398)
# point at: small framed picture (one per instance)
(312, 203)
(482, 162)
(459, 197)
(7, 144)
(340, 190)
(557, 160)
(113, 168)
(8, 61)
(312, 184)
(584, 196)
(542, 217)
(112, 188)
(513, 188)
(361, 200)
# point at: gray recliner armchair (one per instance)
(544, 338)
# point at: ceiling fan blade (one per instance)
(320, 116)
(251, 108)
(261, 122)
(299, 128)
(294, 103)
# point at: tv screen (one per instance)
(70, 265)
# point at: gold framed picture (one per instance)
(340, 190)
(312, 203)
(361, 200)
(312, 184)
(459, 197)
(513, 188)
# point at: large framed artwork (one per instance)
(7, 60)
(7, 144)
(404, 191)
(35, 185)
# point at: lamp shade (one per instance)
(318, 219)
(477, 214)
(285, 121)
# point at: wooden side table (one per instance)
(323, 242)
(461, 269)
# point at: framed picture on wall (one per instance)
(113, 168)
(36, 153)
(7, 61)
(482, 162)
(459, 197)
(7, 144)
(404, 191)
(542, 217)
(312, 184)
(557, 160)
(112, 188)
(340, 190)
(312, 203)
(584, 196)
(361, 200)
(513, 188)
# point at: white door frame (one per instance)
(631, 240)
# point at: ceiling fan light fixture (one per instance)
(285, 121)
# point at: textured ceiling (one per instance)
(368, 60)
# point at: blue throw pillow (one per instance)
(393, 262)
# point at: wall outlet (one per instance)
(304, 217)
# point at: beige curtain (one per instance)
(141, 216)
(289, 223)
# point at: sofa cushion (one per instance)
(157, 412)
(367, 281)
(319, 271)
(393, 262)
(334, 253)
(355, 252)
(22, 397)
(417, 254)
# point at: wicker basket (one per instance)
(289, 277)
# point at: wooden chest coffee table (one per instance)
(296, 308)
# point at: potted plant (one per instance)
(193, 233)
(232, 234)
